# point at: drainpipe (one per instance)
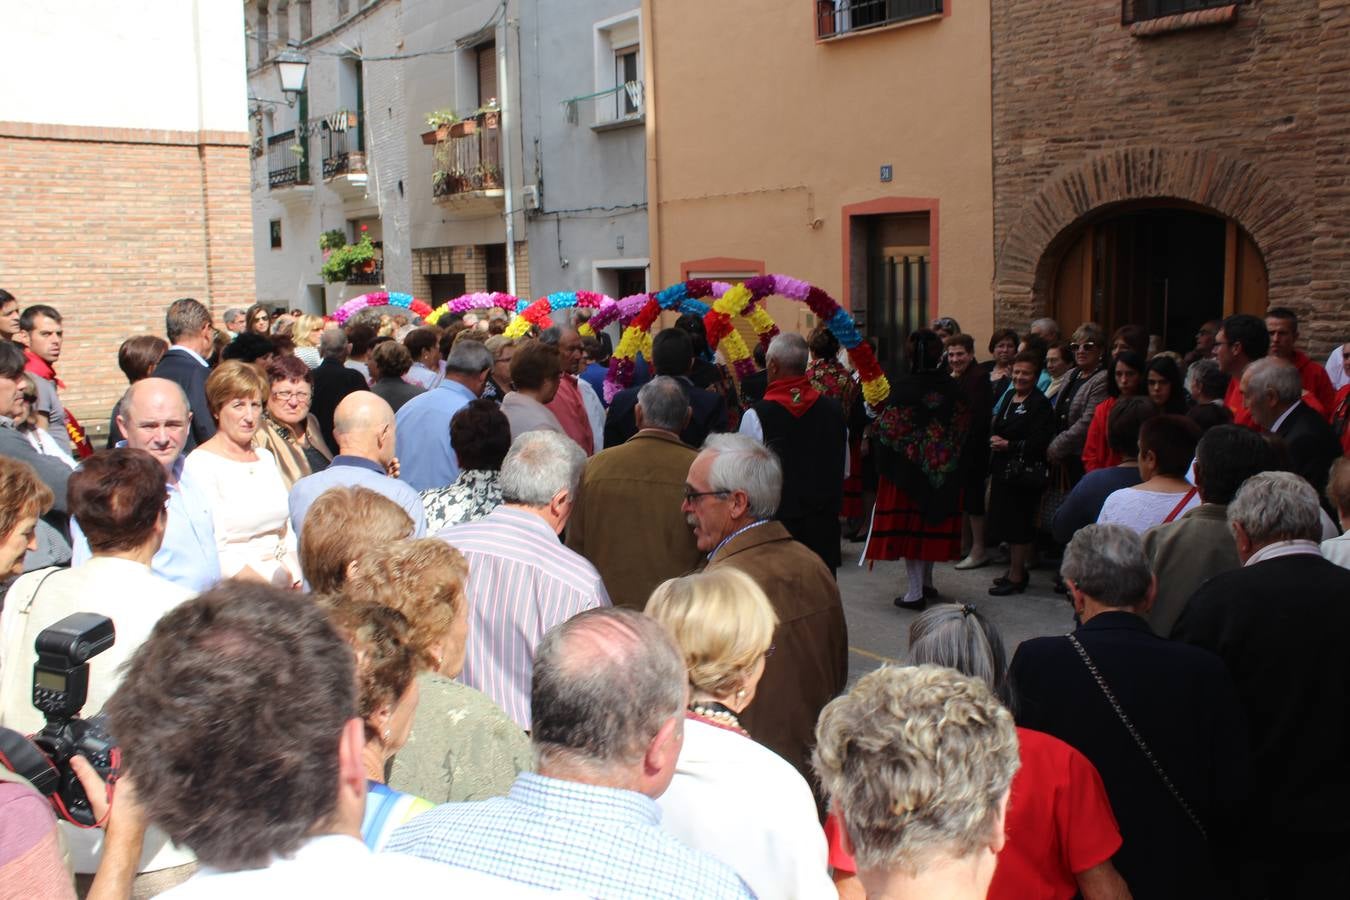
(508, 126)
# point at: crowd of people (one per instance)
(402, 606)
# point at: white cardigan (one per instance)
(742, 803)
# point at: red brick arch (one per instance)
(1040, 231)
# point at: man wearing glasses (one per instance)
(731, 494)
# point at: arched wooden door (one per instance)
(1168, 268)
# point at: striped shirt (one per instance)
(522, 582)
(598, 841)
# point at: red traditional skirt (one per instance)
(899, 530)
(853, 482)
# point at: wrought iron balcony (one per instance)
(341, 153)
(374, 276)
(287, 160)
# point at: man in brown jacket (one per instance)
(731, 492)
(626, 518)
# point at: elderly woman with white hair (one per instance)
(917, 762)
(732, 797)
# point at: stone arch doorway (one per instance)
(1167, 265)
(1270, 227)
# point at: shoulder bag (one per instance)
(1138, 739)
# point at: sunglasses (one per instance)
(31, 398)
(1087, 346)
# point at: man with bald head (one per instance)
(609, 690)
(363, 426)
(153, 416)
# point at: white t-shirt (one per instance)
(1140, 510)
(740, 802)
(339, 865)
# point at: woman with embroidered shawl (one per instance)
(919, 436)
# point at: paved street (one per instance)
(878, 631)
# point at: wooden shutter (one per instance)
(487, 74)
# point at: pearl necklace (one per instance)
(716, 713)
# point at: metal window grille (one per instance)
(843, 16)
(1132, 11)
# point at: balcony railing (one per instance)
(341, 152)
(835, 17)
(1132, 11)
(287, 161)
(469, 159)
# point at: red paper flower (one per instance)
(643, 320)
(717, 325)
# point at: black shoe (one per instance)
(1009, 587)
(916, 605)
(1002, 580)
(930, 592)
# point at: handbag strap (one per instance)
(1176, 510)
(1138, 739)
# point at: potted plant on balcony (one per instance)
(349, 258)
(440, 122)
(332, 239)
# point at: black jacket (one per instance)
(178, 366)
(332, 382)
(1182, 703)
(709, 414)
(1312, 445)
(1280, 626)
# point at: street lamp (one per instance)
(291, 66)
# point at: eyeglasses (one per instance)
(288, 396)
(1086, 346)
(691, 496)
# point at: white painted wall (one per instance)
(156, 64)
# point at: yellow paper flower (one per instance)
(517, 328)
(733, 347)
(876, 391)
(733, 301)
(585, 330)
(760, 320)
(629, 343)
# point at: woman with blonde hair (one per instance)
(732, 797)
(462, 745)
(387, 665)
(24, 498)
(306, 333)
(249, 500)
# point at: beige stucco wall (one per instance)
(755, 129)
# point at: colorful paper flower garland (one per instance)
(479, 300)
(539, 312)
(380, 298)
(747, 300)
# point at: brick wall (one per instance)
(458, 260)
(1246, 118)
(110, 227)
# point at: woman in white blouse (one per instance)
(248, 496)
(1166, 448)
(731, 797)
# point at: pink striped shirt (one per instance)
(522, 582)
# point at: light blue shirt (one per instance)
(188, 556)
(355, 471)
(425, 458)
(566, 836)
